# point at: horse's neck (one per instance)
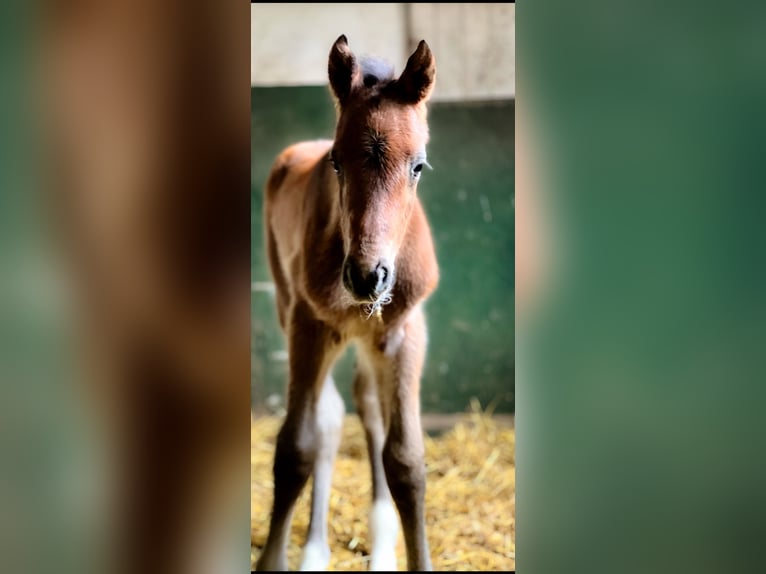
(322, 206)
(417, 257)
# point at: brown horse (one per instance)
(352, 258)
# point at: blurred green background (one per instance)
(469, 199)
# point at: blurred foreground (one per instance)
(124, 291)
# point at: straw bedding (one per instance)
(470, 500)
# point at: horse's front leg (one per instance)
(302, 440)
(330, 410)
(401, 359)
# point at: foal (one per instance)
(352, 258)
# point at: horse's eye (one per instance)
(335, 165)
(417, 169)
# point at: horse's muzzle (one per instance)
(366, 284)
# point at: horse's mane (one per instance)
(376, 71)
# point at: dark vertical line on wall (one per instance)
(437, 29)
(489, 79)
(463, 50)
(409, 39)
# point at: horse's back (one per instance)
(284, 196)
(293, 165)
(286, 186)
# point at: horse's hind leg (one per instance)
(330, 410)
(280, 282)
(384, 523)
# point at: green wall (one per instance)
(469, 201)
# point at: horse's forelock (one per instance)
(376, 71)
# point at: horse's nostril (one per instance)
(365, 284)
(384, 277)
(355, 280)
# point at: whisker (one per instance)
(369, 309)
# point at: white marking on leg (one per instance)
(316, 557)
(330, 410)
(384, 532)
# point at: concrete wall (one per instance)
(474, 44)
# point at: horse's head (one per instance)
(378, 155)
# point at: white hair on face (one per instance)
(371, 308)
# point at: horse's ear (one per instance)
(342, 69)
(417, 80)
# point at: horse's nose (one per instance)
(384, 274)
(365, 283)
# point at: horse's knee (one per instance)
(295, 455)
(405, 472)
